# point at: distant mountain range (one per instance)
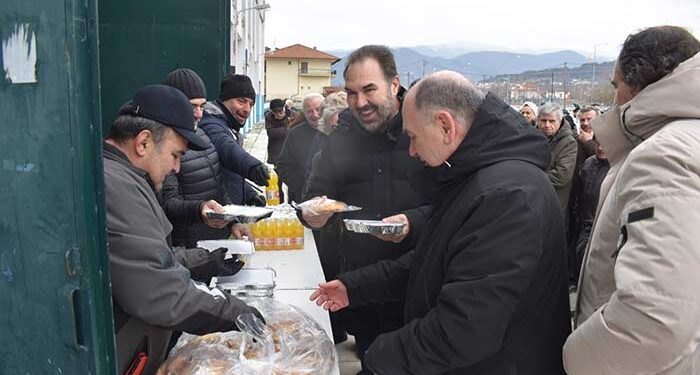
(413, 63)
(597, 72)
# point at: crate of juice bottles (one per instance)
(282, 231)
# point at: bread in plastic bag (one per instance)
(291, 343)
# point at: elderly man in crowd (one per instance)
(639, 301)
(485, 287)
(297, 147)
(563, 148)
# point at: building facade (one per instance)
(248, 49)
(297, 70)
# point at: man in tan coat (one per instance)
(639, 295)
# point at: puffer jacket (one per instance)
(152, 293)
(223, 130)
(639, 291)
(561, 168)
(199, 180)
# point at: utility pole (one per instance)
(425, 64)
(508, 89)
(551, 95)
(408, 78)
(565, 78)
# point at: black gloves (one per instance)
(252, 310)
(256, 200)
(225, 267)
(214, 264)
(259, 174)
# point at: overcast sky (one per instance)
(536, 25)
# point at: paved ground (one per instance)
(256, 144)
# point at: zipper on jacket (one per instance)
(621, 242)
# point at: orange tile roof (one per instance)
(298, 51)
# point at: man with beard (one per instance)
(295, 150)
(365, 162)
(485, 287)
(222, 121)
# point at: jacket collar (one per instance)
(111, 152)
(218, 109)
(672, 97)
(564, 131)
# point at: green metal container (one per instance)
(55, 304)
(141, 41)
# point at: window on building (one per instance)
(304, 68)
(289, 62)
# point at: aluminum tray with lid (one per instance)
(244, 214)
(373, 227)
(248, 282)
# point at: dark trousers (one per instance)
(368, 322)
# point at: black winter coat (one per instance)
(223, 130)
(592, 175)
(199, 180)
(486, 287)
(292, 160)
(276, 134)
(370, 170)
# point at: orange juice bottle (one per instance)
(298, 235)
(255, 230)
(272, 193)
(279, 234)
(288, 233)
(265, 233)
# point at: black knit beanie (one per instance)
(236, 86)
(188, 82)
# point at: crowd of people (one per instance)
(503, 213)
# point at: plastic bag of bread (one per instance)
(291, 343)
(324, 205)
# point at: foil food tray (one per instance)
(373, 227)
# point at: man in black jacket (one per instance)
(365, 162)
(295, 150)
(222, 121)
(198, 187)
(485, 287)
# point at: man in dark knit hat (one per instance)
(277, 126)
(152, 293)
(197, 188)
(222, 121)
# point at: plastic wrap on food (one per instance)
(373, 227)
(244, 214)
(325, 206)
(248, 282)
(291, 343)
